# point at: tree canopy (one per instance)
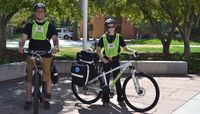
(163, 16)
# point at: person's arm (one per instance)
(123, 45)
(98, 50)
(52, 34)
(22, 41)
(128, 50)
(55, 44)
(26, 32)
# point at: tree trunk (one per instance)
(167, 42)
(3, 24)
(187, 45)
(75, 30)
(166, 48)
(196, 24)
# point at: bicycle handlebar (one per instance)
(36, 53)
(130, 56)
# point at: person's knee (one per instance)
(28, 78)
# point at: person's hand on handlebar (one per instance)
(104, 60)
(54, 49)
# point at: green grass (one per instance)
(157, 41)
(67, 53)
(158, 49)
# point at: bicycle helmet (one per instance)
(110, 21)
(39, 5)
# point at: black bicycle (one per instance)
(37, 82)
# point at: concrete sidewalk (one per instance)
(191, 107)
(175, 92)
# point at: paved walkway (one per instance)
(191, 107)
(178, 93)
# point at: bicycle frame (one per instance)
(36, 59)
(124, 67)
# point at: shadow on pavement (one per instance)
(13, 97)
(99, 109)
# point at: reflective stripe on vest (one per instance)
(39, 32)
(111, 49)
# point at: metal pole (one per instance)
(85, 15)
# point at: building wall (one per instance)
(127, 29)
(96, 29)
(98, 26)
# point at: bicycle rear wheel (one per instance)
(36, 93)
(146, 98)
(87, 94)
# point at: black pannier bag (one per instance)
(85, 69)
(87, 57)
(80, 73)
(54, 74)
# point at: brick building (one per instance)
(96, 28)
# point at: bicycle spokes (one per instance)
(141, 95)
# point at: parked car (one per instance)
(64, 33)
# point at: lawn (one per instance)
(154, 41)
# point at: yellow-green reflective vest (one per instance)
(111, 49)
(39, 32)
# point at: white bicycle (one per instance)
(140, 90)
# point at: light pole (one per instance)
(85, 18)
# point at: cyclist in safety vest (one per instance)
(111, 42)
(39, 33)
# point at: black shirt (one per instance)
(40, 45)
(110, 39)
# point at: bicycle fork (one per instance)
(136, 83)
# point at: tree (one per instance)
(132, 9)
(182, 14)
(160, 23)
(55, 8)
(7, 10)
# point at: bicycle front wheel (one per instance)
(87, 94)
(146, 97)
(36, 92)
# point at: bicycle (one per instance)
(37, 78)
(137, 86)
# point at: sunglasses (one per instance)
(110, 26)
